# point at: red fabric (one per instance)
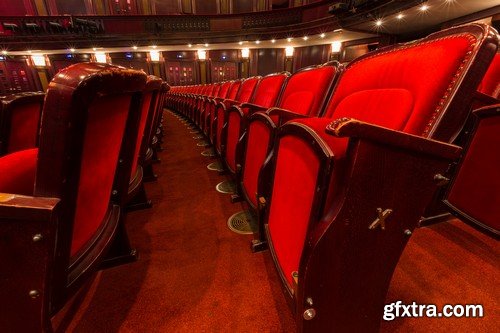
(24, 127)
(293, 191)
(219, 124)
(233, 135)
(224, 89)
(246, 89)
(476, 190)
(146, 107)
(268, 89)
(255, 154)
(102, 143)
(384, 107)
(425, 78)
(305, 91)
(17, 172)
(490, 85)
(233, 91)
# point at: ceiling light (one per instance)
(424, 7)
(100, 57)
(257, 42)
(241, 43)
(4, 52)
(206, 44)
(323, 35)
(39, 60)
(72, 50)
(289, 39)
(273, 40)
(202, 54)
(94, 48)
(134, 47)
(400, 16)
(154, 55)
(305, 38)
(190, 45)
(379, 23)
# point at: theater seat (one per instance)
(62, 224)
(342, 194)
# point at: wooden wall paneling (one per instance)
(243, 6)
(19, 76)
(225, 6)
(167, 7)
(187, 6)
(253, 62)
(122, 7)
(4, 81)
(61, 61)
(270, 61)
(40, 7)
(71, 7)
(310, 55)
(205, 7)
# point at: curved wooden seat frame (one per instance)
(336, 233)
(20, 121)
(49, 247)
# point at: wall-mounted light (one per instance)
(100, 57)
(336, 46)
(289, 51)
(154, 55)
(202, 55)
(38, 60)
(245, 53)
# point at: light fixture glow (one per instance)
(38, 60)
(289, 51)
(190, 45)
(4, 52)
(400, 16)
(323, 35)
(424, 7)
(94, 48)
(100, 57)
(379, 23)
(289, 39)
(241, 43)
(245, 53)
(72, 50)
(273, 40)
(336, 46)
(154, 56)
(202, 54)
(257, 42)
(134, 47)
(305, 38)
(206, 44)
(154, 46)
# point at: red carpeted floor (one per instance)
(195, 275)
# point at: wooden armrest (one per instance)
(285, 115)
(20, 207)
(488, 111)
(252, 108)
(347, 127)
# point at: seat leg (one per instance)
(120, 252)
(149, 174)
(139, 201)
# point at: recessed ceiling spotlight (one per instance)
(289, 39)
(273, 40)
(379, 23)
(154, 46)
(305, 38)
(206, 44)
(94, 48)
(134, 47)
(323, 35)
(29, 51)
(424, 7)
(190, 45)
(241, 43)
(400, 16)
(257, 42)
(4, 52)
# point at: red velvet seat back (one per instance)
(233, 91)
(224, 89)
(247, 88)
(150, 100)
(268, 90)
(20, 120)
(401, 89)
(78, 161)
(490, 85)
(306, 90)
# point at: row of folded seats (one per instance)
(338, 162)
(72, 161)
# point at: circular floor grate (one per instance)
(197, 137)
(202, 144)
(208, 153)
(243, 222)
(227, 186)
(215, 166)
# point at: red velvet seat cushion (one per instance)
(17, 172)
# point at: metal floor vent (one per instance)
(197, 137)
(203, 144)
(243, 222)
(208, 152)
(227, 186)
(215, 166)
